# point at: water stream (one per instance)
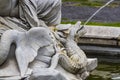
(97, 11)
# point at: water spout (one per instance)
(97, 11)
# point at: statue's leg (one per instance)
(42, 72)
(46, 74)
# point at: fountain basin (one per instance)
(101, 42)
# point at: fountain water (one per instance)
(97, 12)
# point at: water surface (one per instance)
(105, 71)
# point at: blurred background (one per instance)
(74, 10)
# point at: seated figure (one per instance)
(26, 14)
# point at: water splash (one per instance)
(97, 11)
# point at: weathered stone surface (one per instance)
(27, 44)
(76, 58)
(97, 41)
(101, 35)
(9, 70)
(46, 74)
(63, 27)
(102, 42)
(103, 31)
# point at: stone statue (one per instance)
(39, 50)
(73, 58)
(34, 51)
